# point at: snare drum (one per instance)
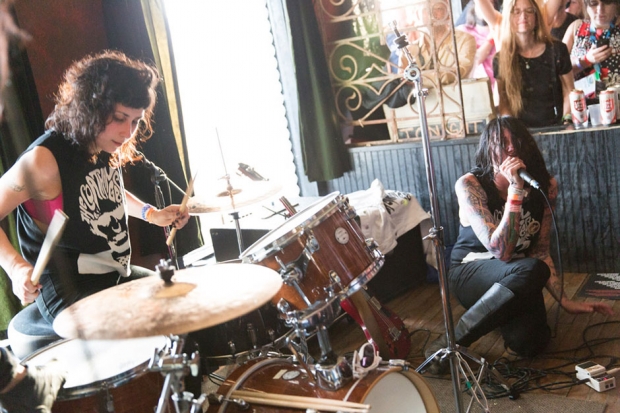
(339, 255)
(386, 390)
(104, 375)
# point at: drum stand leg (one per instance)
(413, 74)
(175, 367)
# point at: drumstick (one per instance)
(54, 231)
(190, 188)
(300, 402)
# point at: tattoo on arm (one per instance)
(500, 238)
(16, 187)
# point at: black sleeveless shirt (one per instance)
(94, 249)
(468, 247)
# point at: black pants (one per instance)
(523, 320)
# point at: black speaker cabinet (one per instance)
(405, 268)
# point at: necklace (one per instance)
(527, 62)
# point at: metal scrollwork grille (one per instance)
(375, 104)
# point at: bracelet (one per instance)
(585, 58)
(567, 118)
(147, 210)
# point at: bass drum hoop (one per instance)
(258, 252)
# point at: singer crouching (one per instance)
(104, 104)
(500, 262)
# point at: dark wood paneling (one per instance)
(585, 163)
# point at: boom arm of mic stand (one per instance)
(412, 73)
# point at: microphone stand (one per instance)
(158, 176)
(413, 74)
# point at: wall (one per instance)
(62, 31)
(585, 163)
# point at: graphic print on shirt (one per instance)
(102, 208)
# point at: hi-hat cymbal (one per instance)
(197, 298)
(239, 196)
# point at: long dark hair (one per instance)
(524, 147)
(89, 92)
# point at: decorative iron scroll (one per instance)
(375, 104)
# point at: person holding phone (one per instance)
(594, 42)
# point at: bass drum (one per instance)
(241, 338)
(386, 390)
(104, 375)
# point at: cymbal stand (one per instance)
(413, 74)
(176, 366)
(157, 178)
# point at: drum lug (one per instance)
(333, 377)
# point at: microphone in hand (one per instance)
(528, 178)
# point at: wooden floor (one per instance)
(421, 310)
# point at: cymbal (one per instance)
(239, 196)
(197, 298)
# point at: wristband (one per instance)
(147, 210)
(515, 199)
(567, 118)
(585, 58)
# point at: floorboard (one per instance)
(421, 310)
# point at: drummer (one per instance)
(103, 106)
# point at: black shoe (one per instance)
(440, 365)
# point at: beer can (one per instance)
(607, 102)
(616, 89)
(578, 108)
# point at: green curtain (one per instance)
(139, 29)
(22, 123)
(325, 154)
(9, 304)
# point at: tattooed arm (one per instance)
(34, 176)
(500, 238)
(554, 284)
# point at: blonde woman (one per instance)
(533, 71)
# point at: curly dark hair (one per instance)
(492, 145)
(91, 88)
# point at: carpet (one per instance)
(527, 403)
(601, 285)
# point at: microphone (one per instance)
(528, 178)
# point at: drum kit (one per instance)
(123, 347)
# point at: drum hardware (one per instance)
(175, 367)
(412, 73)
(215, 398)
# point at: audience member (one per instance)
(560, 23)
(594, 43)
(485, 45)
(532, 70)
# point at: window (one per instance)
(229, 86)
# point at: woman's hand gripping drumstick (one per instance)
(52, 236)
(190, 189)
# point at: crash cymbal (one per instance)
(239, 195)
(197, 298)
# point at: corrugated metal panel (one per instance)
(585, 163)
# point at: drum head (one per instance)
(402, 391)
(291, 229)
(93, 364)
